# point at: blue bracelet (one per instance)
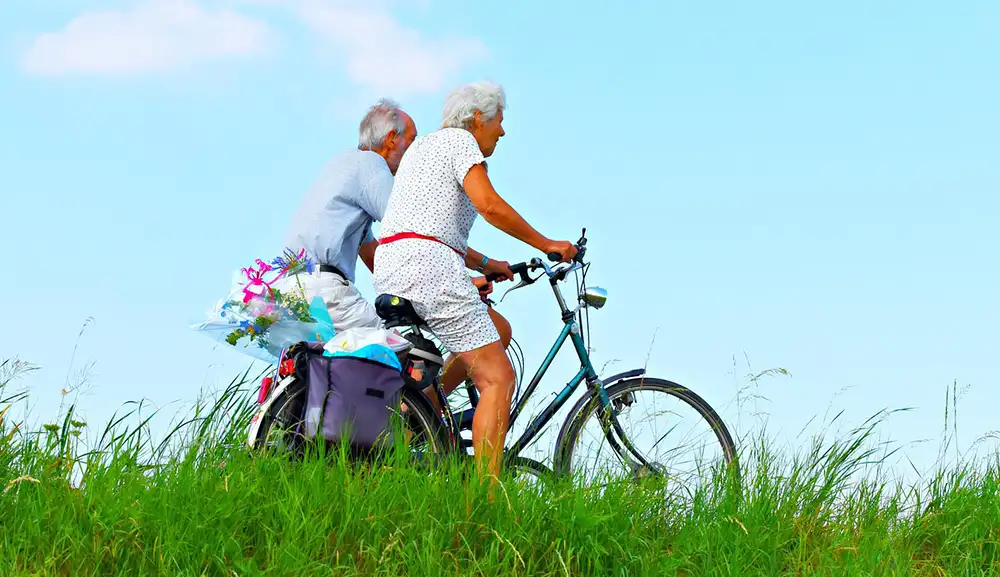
(482, 265)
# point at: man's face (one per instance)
(400, 144)
(490, 133)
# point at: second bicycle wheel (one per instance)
(668, 425)
(281, 424)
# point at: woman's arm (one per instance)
(474, 259)
(497, 212)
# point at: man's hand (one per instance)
(484, 286)
(564, 248)
(499, 267)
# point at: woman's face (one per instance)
(488, 133)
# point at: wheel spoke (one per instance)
(582, 451)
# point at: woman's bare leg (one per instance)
(455, 371)
(493, 374)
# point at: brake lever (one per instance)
(515, 287)
(525, 281)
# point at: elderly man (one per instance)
(423, 255)
(333, 221)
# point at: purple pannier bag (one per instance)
(352, 395)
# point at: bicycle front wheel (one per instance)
(658, 427)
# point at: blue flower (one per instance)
(281, 261)
(291, 261)
(244, 325)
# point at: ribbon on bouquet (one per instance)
(258, 281)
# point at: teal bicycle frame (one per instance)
(462, 420)
(570, 330)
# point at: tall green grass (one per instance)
(77, 500)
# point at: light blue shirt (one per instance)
(335, 216)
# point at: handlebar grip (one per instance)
(519, 268)
(493, 277)
(556, 257)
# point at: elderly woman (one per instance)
(423, 256)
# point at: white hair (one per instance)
(381, 119)
(461, 104)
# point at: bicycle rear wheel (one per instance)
(586, 448)
(281, 424)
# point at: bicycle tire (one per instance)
(290, 403)
(536, 468)
(518, 462)
(287, 402)
(586, 405)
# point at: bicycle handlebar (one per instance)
(522, 268)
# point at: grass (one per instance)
(198, 504)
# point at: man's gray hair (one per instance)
(381, 119)
(461, 104)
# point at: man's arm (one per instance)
(367, 254)
(373, 198)
(374, 193)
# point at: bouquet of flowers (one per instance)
(259, 319)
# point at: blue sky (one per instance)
(814, 187)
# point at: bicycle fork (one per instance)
(608, 417)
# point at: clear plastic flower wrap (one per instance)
(260, 320)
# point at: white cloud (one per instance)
(156, 36)
(382, 54)
(377, 51)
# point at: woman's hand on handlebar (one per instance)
(561, 251)
(497, 270)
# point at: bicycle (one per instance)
(606, 398)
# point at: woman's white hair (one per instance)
(461, 104)
(381, 119)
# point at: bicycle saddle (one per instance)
(396, 311)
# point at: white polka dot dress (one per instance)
(428, 199)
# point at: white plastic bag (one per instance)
(354, 339)
(374, 344)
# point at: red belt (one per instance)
(402, 235)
